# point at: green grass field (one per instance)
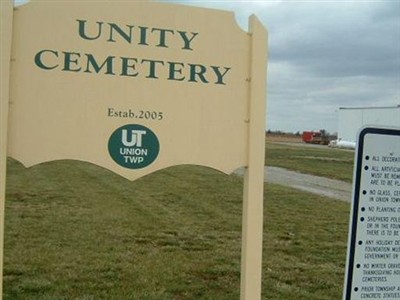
(322, 161)
(76, 231)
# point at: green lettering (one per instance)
(129, 63)
(220, 75)
(197, 71)
(71, 59)
(163, 34)
(115, 28)
(82, 33)
(39, 61)
(108, 62)
(186, 40)
(152, 68)
(174, 69)
(143, 35)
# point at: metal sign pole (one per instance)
(253, 194)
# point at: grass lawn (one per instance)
(325, 162)
(76, 231)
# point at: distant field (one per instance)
(284, 138)
(320, 161)
(76, 231)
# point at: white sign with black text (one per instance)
(373, 258)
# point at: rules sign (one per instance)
(373, 259)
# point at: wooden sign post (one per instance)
(135, 87)
(6, 10)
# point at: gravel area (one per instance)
(334, 189)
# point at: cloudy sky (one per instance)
(324, 55)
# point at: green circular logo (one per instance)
(133, 146)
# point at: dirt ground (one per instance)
(323, 186)
(331, 188)
(283, 138)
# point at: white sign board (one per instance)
(373, 259)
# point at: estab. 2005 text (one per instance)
(135, 114)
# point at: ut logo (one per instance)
(135, 138)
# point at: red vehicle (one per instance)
(315, 137)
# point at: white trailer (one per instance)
(351, 119)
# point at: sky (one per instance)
(323, 55)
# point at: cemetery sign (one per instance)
(135, 87)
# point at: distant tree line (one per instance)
(298, 133)
(280, 132)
